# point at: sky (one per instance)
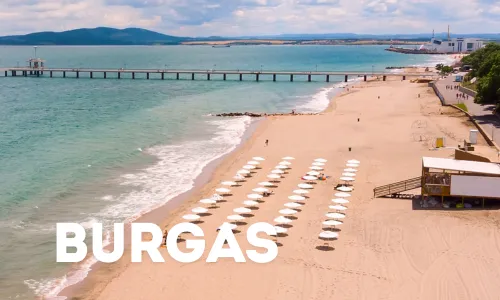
(196, 18)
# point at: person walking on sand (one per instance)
(267, 143)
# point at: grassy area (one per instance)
(471, 86)
(462, 106)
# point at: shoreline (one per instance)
(100, 275)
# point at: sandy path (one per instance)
(386, 250)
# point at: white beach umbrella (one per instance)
(345, 178)
(344, 189)
(332, 223)
(199, 210)
(282, 220)
(190, 217)
(353, 161)
(235, 218)
(305, 186)
(208, 201)
(288, 158)
(317, 163)
(340, 201)
(277, 171)
(335, 215)
(242, 210)
(260, 190)
(217, 197)
(352, 165)
(239, 177)
(288, 211)
(223, 190)
(313, 173)
(350, 170)
(274, 176)
(243, 172)
(249, 167)
(280, 229)
(253, 162)
(321, 160)
(293, 205)
(229, 183)
(250, 203)
(266, 183)
(282, 167)
(254, 196)
(296, 198)
(316, 168)
(284, 163)
(310, 178)
(328, 235)
(342, 195)
(300, 192)
(258, 158)
(348, 174)
(229, 225)
(337, 207)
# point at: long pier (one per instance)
(192, 74)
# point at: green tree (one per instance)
(446, 70)
(439, 67)
(488, 86)
(476, 58)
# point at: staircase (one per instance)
(397, 187)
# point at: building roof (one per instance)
(461, 165)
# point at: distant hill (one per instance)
(94, 36)
(138, 36)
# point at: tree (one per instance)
(446, 70)
(439, 67)
(488, 86)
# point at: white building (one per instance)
(453, 45)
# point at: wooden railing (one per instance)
(397, 187)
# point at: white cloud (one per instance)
(252, 17)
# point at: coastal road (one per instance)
(481, 113)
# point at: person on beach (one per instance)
(267, 143)
(164, 240)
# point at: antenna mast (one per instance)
(448, 32)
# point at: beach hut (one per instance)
(446, 177)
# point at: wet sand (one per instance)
(386, 250)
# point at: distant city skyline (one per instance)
(253, 17)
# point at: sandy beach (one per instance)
(386, 249)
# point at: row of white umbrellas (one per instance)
(258, 191)
(297, 197)
(340, 202)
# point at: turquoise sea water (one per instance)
(81, 150)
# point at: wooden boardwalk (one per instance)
(191, 73)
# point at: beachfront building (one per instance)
(36, 63)
(453, 45)
(453, 181)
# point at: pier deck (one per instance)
(90, 72)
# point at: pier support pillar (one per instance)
(208, 76)
(404, 77)
(91, 75)
(241, 77)
(119, 75)
(104, 75)
(50, 74)
(192, 76)
(31, 72)
(133, 75)
(309, 78)
(77, 74)
(224, 76)
(41, 72)
(274, 77)
(37, 73)
(364, 78)
(64, 74)
(257, 77)
(327, 78)
(291, 77)
(383, 78)
(177, 76)
(6, 74)
(147, 75)
(162, 76)
(346, 78)
(14, 73)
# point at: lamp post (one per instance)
(214, 67)
(34, 47)
(316, 68)
(261, 68)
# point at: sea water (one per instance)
(93, 150)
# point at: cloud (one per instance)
(252, 17)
